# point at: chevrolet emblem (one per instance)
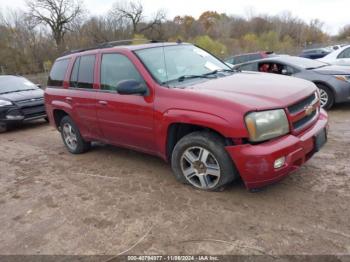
(308, 110)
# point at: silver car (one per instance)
(332, 81)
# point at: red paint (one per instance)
(142, 122)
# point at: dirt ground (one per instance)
(112, 201)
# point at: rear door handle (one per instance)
(69, 99)
(102, 102)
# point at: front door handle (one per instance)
(102, 102)
(69, 99)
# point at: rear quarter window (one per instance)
(58, 72)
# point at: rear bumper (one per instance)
(255, 163)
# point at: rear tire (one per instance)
(200, 159)
(72, 138)
(326, 96)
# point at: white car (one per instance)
(338, 57)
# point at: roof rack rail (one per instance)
(111, 44)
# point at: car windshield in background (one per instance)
(305, 63)
(180, 62)
(9, 84)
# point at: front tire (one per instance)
(326, 96)
(200, 159)
(72, 138)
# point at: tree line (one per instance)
(30, 40)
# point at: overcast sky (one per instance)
(334, 13)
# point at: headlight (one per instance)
(5, 103)
(266, 124)
(345, 78)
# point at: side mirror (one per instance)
(38, 85)
(131, 87)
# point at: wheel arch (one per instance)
(331, 88)
(58, 114)
(178, 130)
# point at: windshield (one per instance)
(171, 63)
(10, 84)
(305, 63)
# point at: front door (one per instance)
(125, 120)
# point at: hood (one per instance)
(333, 70)
(23, 95)
(257, 91)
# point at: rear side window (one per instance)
(116, 68)
(58, 72)
(83, 72)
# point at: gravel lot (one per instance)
(109, 199)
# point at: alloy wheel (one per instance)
(200, 167)
(323, 97)
(70, 136)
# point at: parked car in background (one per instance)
(339, 57)
(333, 82)
(315, 53)
(242, 58)
(179, 102)
(20, 101)
(335, 47)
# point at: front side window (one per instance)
(58, 73)
(169, 63)
(83, 72)
(116, 68)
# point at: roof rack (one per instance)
(111, 44)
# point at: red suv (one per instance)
(179, 102)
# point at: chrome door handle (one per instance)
(69, 99)
(101, 102)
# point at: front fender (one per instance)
(204, 119)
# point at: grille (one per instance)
(300, 123)
(298, 107)
(304, 112)
(32, 100)
(33, 111)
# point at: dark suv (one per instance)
(178, 102)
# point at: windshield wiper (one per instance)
(206, 75)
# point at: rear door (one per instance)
(125, 120)
(81, 95)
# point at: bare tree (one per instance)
(57, 14)
(133, 12)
